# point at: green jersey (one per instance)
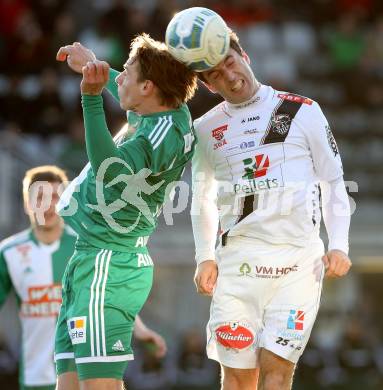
(34, 271)
(115, 201)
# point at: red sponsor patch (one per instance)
(218, 133)
(295, 98)
(24, 249)
(234, 336)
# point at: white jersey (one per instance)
(260, 164)
(34, 270)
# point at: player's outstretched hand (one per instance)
(205, 277)
(76, 55)
(95, 75)
(337, 263)
(143, 333)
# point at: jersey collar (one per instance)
(259, 97)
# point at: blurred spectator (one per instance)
(64, 32)
(373, 59)
(48, 110)
(346, 43)
(11, 12)
(105, 41)
(147, 371)
(73, 155)
(160, 16)
(356, 355)
(194, 369)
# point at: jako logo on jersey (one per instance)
(77, 329)
(256, 167)
(234, 335)
(43, 301)
(251, 119)
(295, 98)
(219, 135)
(296, 319)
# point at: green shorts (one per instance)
(103, 291)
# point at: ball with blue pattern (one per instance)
(198, 37)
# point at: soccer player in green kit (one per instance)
(114, 203)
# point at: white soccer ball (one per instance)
(198, 37)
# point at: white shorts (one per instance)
(267, 296)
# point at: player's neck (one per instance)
(153, 106)
(48, 236)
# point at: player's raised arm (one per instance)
(99, 141)
(77, 56)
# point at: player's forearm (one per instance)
(111, 86)
(204, 217)
(99, 141)
(336, 214)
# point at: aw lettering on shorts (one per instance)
(234, 335)
(77, 329)
(144, 260)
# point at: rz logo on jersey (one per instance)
(218, 133)
(331, 141)
(296, 319)
(256, 167)
(281, 123)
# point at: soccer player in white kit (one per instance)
(262, 160)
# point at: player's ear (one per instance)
(246, 57)
(148, 87)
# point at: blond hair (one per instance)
(49, 173)
(176, 83)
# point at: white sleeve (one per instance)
(323, 148)
(336, 213)
(204, 211)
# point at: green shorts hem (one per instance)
(46, 387)
(65, 365)
(101, 370)
(85, 371)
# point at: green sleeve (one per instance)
(5, 280)
(100, 144)
(112, 85)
